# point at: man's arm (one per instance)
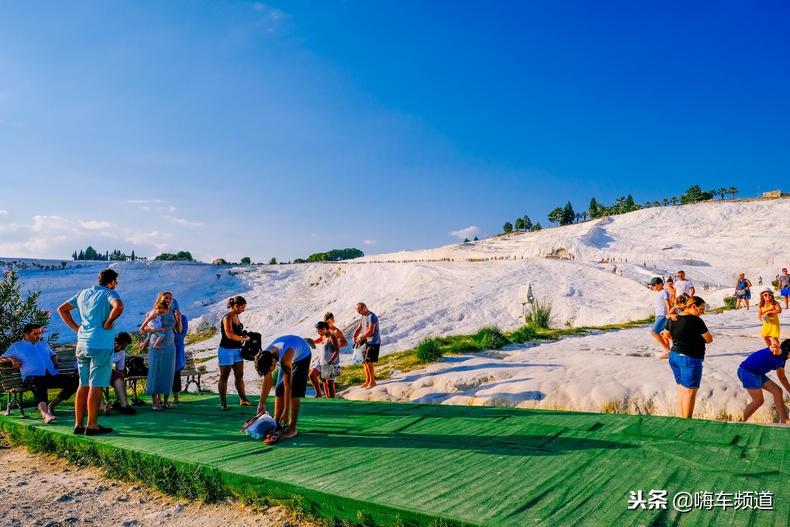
(65, 313)
(342, 342)
(117, 309)
(286, 365)
(9, 359)
(780, 373)
(265, 389)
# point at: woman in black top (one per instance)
(688, 334)
(229, 352)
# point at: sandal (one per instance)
(168, 406)
(273, 437)
(156, 408)
(224, 408)
(244, 402)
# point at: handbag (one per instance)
(250, 348)
(259, 426)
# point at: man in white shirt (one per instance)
(683, 286)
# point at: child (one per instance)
(117, 380)
(661, 302)
(752, 374)
(162, 308)
(328, 355)
(769, 314)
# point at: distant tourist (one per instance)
(688, 334)
(743, 291)
(162, 360)
(784, 285)
(38, 366)
(752, 373)
(684, 286)
(99, 307)
(293, 355)
(759, 280)
(662, 305)
(117, 379)
(229, 352)
(328, 365)
(769, 314)
(368, 336)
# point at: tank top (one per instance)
(226, 342)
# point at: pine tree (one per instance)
(18, 311)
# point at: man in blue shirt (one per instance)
(38, 366)
(98, 307)
(752, 373)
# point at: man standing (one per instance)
(684, 286)
(784, 285)
(39, 370)
(99, 307)
(368, 336)
(661, 302)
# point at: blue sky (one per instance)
(280, 129)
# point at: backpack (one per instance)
(135, 366)
(250, 348)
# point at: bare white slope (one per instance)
(593, 273)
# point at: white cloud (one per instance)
(184, 222)
(3, 212)
(468, 232)
(96, 225)
(369, 242)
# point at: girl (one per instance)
(229, 352)
(329, 354)
(769, 314)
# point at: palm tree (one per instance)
(674, 200)
(722, 192)
(732, 190)
(665, 202)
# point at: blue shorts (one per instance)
(229, 357)
(752, 381)
(687, 370)
(94, 366)
(785, 291)
(660, 324)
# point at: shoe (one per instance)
(127, 410)
(156, 408)
(79, 430)
(117, 406)
(244, 402)
(97, 431)
(224, 408)
(168, 406)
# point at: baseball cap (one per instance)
(656, 280)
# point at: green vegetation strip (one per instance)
(405, 464)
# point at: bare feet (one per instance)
(664, 355)
(288, 434)
(49, 418)
(369, 386)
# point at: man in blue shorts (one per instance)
(293, 354)
(98, 307)
(752, 373)
(784, 285)
(661, 303)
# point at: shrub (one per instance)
(730, 302)
(491, 338)
(524, 334)
(539, 314)
(16, 311)
(464, 345)
(429, 350)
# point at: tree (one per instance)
(466, 240)
(695, 194)
(536, 227)
(507, 228)
(556, 216)
(674, 200)
(568, 216)
(91, 254)
(18, 311)
(527, 223)
(475, 239)
(732, 190)
(595, 209)
(273, 261)
(722, 191)
(519, 224)
(246, 260)
(133, 257)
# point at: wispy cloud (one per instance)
(148, 205)
(96, 225)
(369, 242)
(185, 222)
(3, 212)
(468, 232)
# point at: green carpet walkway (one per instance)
(402, 464)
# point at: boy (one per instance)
(661, 302)
(752, 374)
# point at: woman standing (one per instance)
(162, 360)
(181, 359)
(688, 334)
(229, 352)
(743, 291)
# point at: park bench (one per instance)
(191, 371)
(14, 388)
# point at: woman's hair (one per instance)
(762, 298)
(321, 325)
(161, 297)
(263, 362)
(695, 301)
(161, 304)
(682, 300)
(328, 316)
(237, 301)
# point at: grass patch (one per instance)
(428, 350)
(491, 338)
(200, 336)
(539, 315)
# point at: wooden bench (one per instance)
(191, 372)
(14, 387)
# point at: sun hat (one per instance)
(656, 280)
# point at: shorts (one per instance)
(228, 356)
(660, 324)
(687, 370)
(785, 291)
(371, 353)
(40, 385)
(752, 381)
(301, 370)
(95, 366)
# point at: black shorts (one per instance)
(371, 353)
(40, 384)
(301, 370)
